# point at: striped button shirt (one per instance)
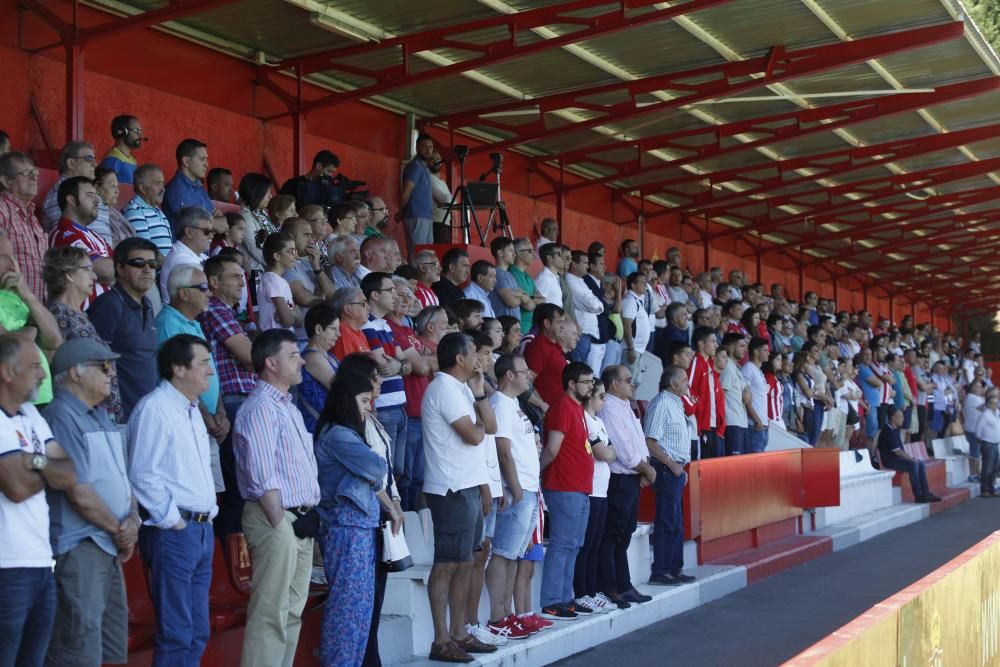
(379, 336)
(665, 423)
(26, 235)
(150, 223)
(274, 450)
(169, 463)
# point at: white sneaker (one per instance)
(602, 604)
(487, 637)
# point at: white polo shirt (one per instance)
(633, 309)
(24, 525)
(451, 465)
(514, 425)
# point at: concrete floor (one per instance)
(775, 619)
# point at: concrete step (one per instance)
(771, 558)
(957, 466)
(867, 526)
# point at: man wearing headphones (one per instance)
(128, 136)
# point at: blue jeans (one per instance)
(668, 529)
(756, 441)
(27, 612)
(394, 421)
(711, 444)
(736, 440)
(180, 573)
(411, 481)
(817, 424)
(612, 354)
(916, 471)
(582, 349)
(568, 514)
(988, 472)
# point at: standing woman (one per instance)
(106, 182)
(255, 195)
(323, 328)
(350, 474)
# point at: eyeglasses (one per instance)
(85, 267)
(135, 130)
(438, 264)
(520, 250)
(140, 263)
(201, 287)
(207, 231)
(384, 208)
(590, 381)
(357, 303)
(105, 365)
(28, 173)
(86, 158)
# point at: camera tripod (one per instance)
(498, 219)
(462, 200)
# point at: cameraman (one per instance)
(416, 202)
(315, 187)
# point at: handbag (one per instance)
(395, 551)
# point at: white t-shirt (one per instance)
(24, 525)
(633, 309)
(602, 472)
(492, 463)
(451, 465)
(758, 390)
(514, 425)
(273, 286)
(732, 387)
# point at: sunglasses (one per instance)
(140, 263)
(86, 158)
(201, 287)
(207, 231)
(105, 365)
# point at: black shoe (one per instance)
(923, 499)
(558, 612)
(663, 580)
(685, 578)
(633, 595)
(618, 601)
(934, 499)
(578, 607)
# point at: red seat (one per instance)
(141, 615)
(227, 603)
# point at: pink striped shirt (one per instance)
(19, 221)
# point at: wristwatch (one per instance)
(38, 462)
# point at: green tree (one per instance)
(986, 14)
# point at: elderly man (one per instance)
(455, 265)
(187, 188)
(231, 350)
(77, 159)
(143, 210)
(309, 284)
(416, 201)
(189, 295)
(19, 183)
(344, 261)
(78, 201)
(126, 130)
(277, 476)
(484, 279)
(376, 255)
(549, 233)
(172, 478)
(629, 471)
(428, 273)
(193, 231)
(123, 317)
(30, 460)
(667, 439)
(95, 524)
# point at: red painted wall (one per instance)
(180, 90)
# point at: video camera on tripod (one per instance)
(470, 196)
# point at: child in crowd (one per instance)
(233, 236)
(277, 308)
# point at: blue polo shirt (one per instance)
(123, 165)
(182, 192)
(171, 322)
(421, 203)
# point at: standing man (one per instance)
(759, 352)
(127, 133)
(77, 159)
(587, 306)
(456, 418)
(193, 231)
(635, 322)
(95, 523)
(518, 456)
(455, 265)
(507, 298)
(314, 186)
(545, 355)
(30, 459)
(703, 381)
(170, 470)
(667, 440)
(607, 343)
(736, 394)
(123, 317)
(629, 471)
(143, 210)
(547, 281)
(523, 257)
(18, 188)
(628, 264)
(416, 201)
(567, 479)
(277, 476)
(549, 234)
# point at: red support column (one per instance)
(298, 130)
(802, 276)
(74, 92)
(865, 292)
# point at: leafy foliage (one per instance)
(986, 14)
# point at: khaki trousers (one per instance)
(282, 565)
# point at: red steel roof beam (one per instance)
(786, 126)
(937, 253)
(724, 80)
(493, 53)
(897, 246)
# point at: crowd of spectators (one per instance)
(172, 374)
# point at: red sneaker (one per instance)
(510, 628)
(534, 622)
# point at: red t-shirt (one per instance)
(350, 341)
(545, 357)
(573, 467)
(414, 385)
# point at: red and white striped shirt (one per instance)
(881, 371)
(775, 399)
(426, 296)
(70, 233)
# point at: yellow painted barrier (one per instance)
(950, 618)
